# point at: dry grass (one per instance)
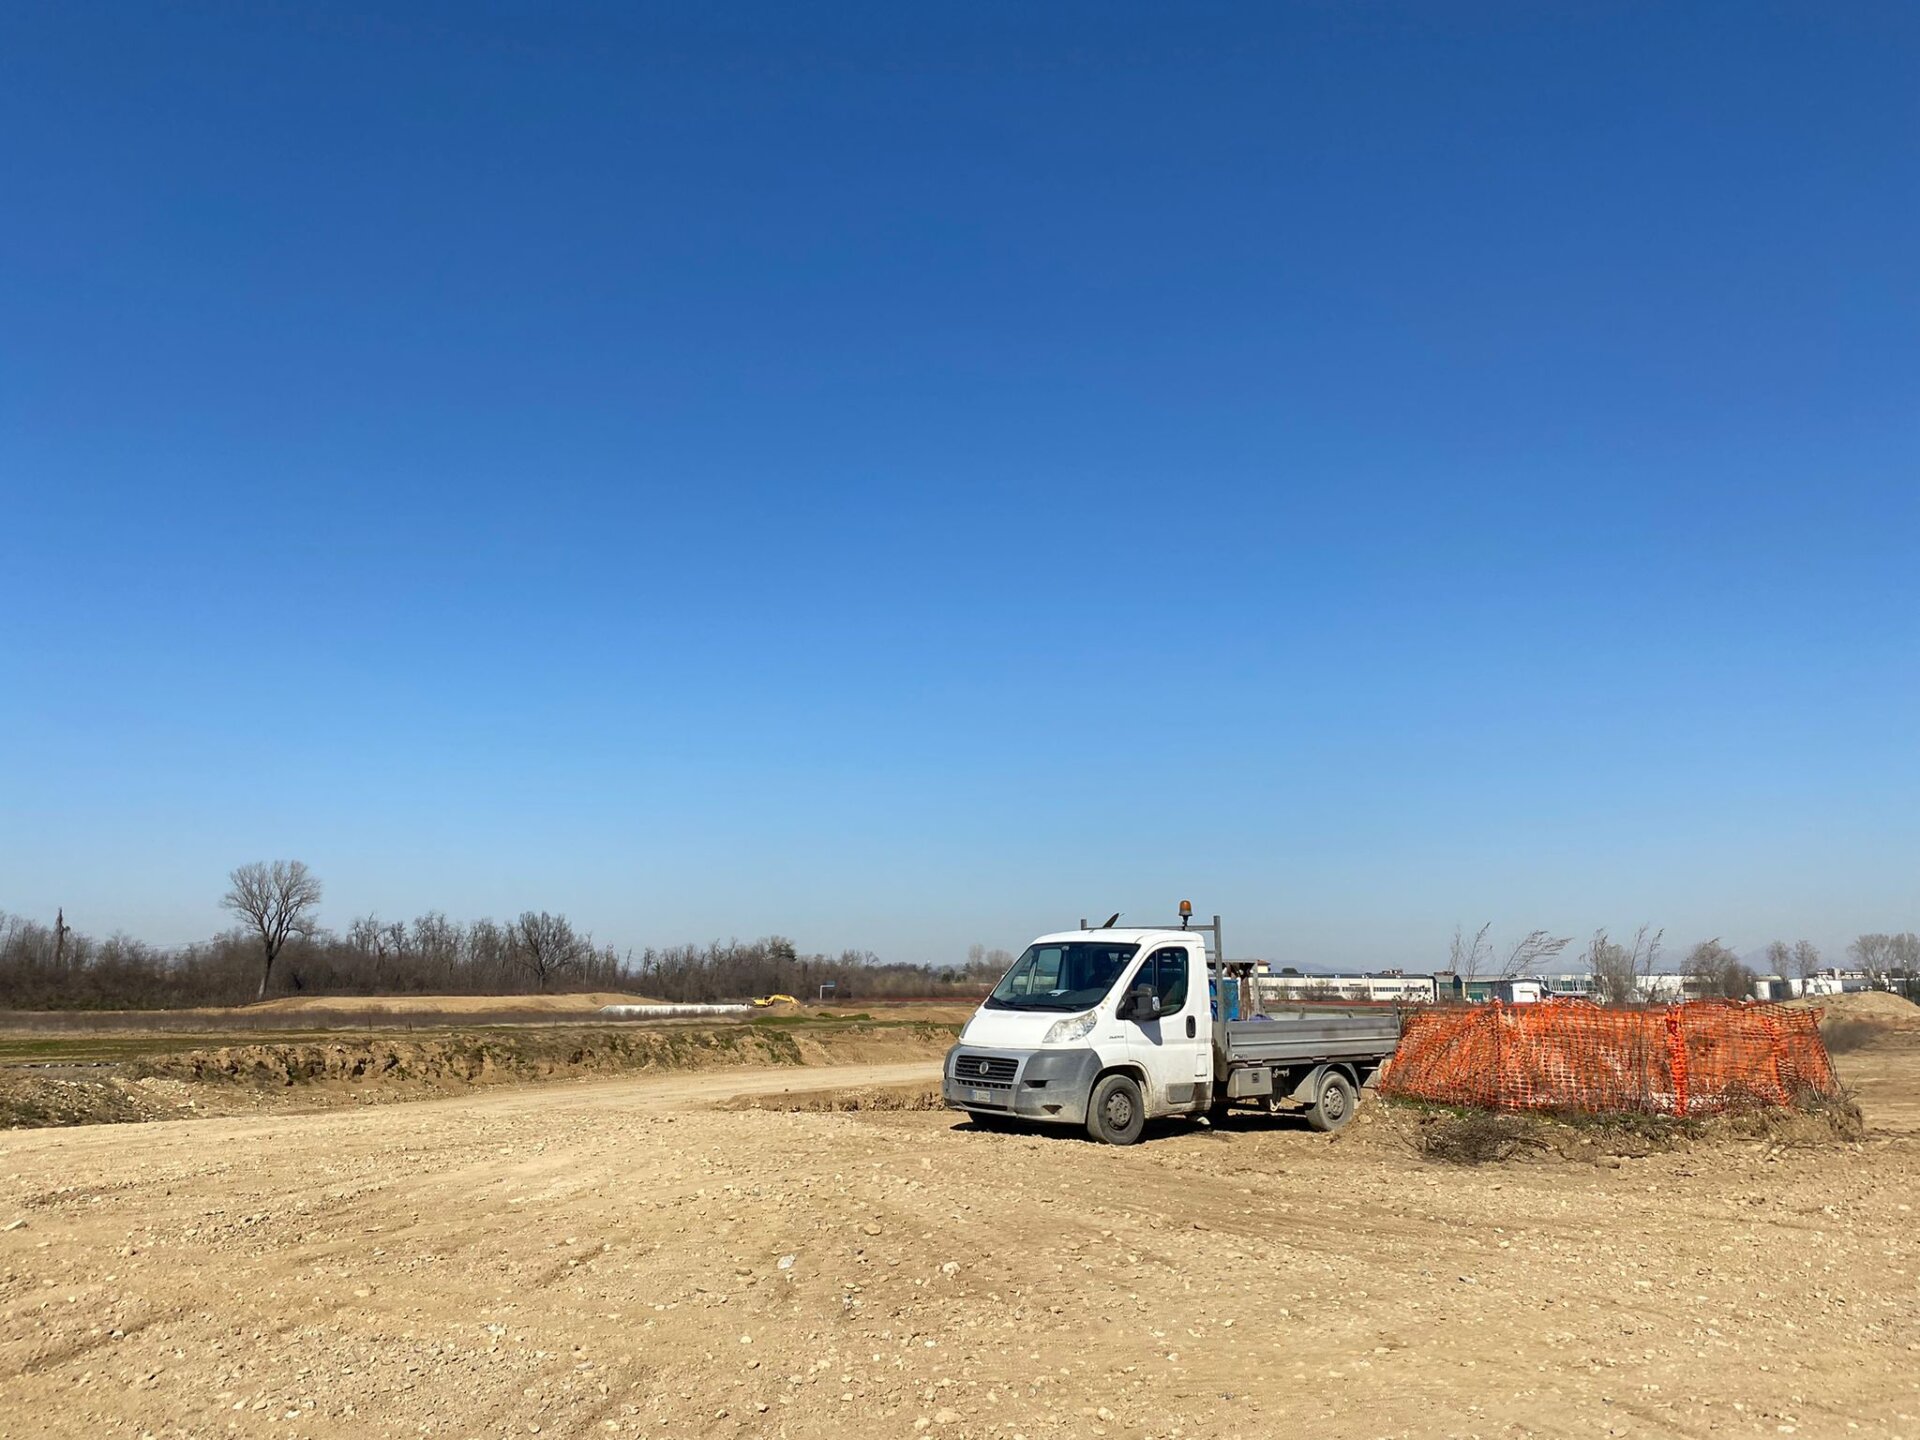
(1478, 1137)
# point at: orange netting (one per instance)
(1693, 1059)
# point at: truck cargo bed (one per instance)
(1290, 1037)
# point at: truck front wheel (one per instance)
(1336, 1103)
(1117, 1114)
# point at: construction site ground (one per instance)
(810, 1251)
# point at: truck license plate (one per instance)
(984, 1096)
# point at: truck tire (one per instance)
(1116, 1114)
(1336, 1102)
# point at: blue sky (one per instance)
(904, 476)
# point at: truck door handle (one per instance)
(1192, 1030)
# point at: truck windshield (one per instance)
(1070, 976)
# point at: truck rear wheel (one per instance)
(1117, 1114)
(1336, 1102)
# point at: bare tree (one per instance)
(1903, 955)
(1464, 956)
(1806, 959)
(1646, 954)
(440, 945)
(1611, 969)
(1874, 955)
(1884, 958)
(277, 899)
(1716, 972)
(1620, 971)
(546, 947)
(380, 944)
(1779, 958)
(1536, 947)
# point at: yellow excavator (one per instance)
(765, 1000)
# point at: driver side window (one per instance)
(1165, 972)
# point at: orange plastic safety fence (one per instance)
(1699, 1058)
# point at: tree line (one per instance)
(278, 947)
(773, 966)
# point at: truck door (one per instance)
(1175, 1047)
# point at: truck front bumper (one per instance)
(1051, 1086)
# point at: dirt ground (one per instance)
(635, 1257)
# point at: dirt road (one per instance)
(622, 1258)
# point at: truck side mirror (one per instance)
(1140, 1004)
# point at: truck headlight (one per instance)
(1074, 1027)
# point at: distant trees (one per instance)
(1805, 959)
(280, 946)
(546, 948)
(985, 964)
(1466, 957)
(277, 899)
(1532, 950)
(1619, 971)
(1715, 973)
(1882, 957)
(1473, 957)
(1905, 950)
(728, 970)
(437, 946)
(435, 955)
(1872, 954)
(1800, 960)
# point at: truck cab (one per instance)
(1108, 1027)
(1082, 1005)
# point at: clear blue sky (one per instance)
(904, 475)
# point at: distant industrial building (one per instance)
(1397, 987)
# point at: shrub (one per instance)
(1477, 1137)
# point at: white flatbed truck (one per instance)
(1109, 1027)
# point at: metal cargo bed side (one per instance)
(1297, 1037)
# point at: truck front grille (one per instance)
(985, 1069)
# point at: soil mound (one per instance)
(1488, 1137)
(31, 1101)
(463, 1059)
(1879, 1006)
